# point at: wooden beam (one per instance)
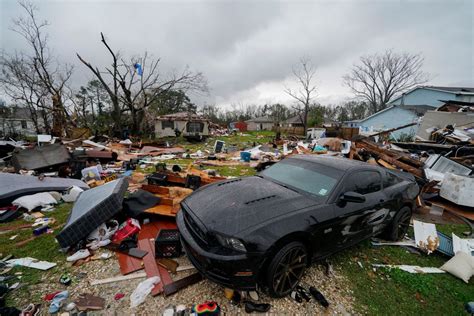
(119, 278)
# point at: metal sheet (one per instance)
(15, 185)
(40, 157)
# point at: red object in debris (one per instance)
(242, 126)
(118, 296)
(127, 229)
(50, 296)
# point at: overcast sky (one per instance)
(246, 49)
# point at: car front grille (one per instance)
(194, 228)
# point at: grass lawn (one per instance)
(44, 247)
(390, 292)
(380, 292)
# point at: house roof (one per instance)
(458, 102)
(181, 116)
(417, 109)
(262, 119)
(294, 120)
(453, 90)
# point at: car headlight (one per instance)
(231, 242)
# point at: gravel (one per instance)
(333, 287)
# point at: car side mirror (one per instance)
(353, 197)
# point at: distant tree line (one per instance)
(130, 92)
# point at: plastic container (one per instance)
(245, 156)
(167, 244)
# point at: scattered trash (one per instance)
(57, 301)
(31, 263)
(410, 269)
(143, 289)
(88, 301)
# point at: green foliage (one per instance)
(93, 109)
(406, 137)
(172, 101)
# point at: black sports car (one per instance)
(265, 229)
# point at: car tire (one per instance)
(399, 225)
(286, 269)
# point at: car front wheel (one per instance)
(286, 269)
(399, 226)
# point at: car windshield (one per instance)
(304, 176)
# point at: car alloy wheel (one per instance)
(287, 268)
(403, 223)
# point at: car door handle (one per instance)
(382, 200)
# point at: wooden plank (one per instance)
(165, 210)
(464, 211)
(151, 268)
(383, 154)
(386, 164)
(182, 283)
(119, 278)
(153, 188)
(128, 264)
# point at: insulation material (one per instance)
(458, 189)
(426, 237)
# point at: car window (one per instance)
(363, 182)
(390, 179)
(301, 177)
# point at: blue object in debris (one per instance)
(319, 148)
(245, 156)
(445, 244)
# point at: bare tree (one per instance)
(378, 78)
(133, 91)
(305, 74)
(35, 77)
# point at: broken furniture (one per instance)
(92, 208)
(169, 199)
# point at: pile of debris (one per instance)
(126, 197)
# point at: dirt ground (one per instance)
(332, 287)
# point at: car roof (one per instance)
(339, 163)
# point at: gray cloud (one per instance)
(247, 48)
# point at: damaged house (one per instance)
(187, 124)
(17, 121)
(409, 108)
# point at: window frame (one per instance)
(167, 123)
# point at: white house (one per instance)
(182, 123)
(17, 121)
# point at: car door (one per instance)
(357, 221)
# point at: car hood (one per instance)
(232, 206)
